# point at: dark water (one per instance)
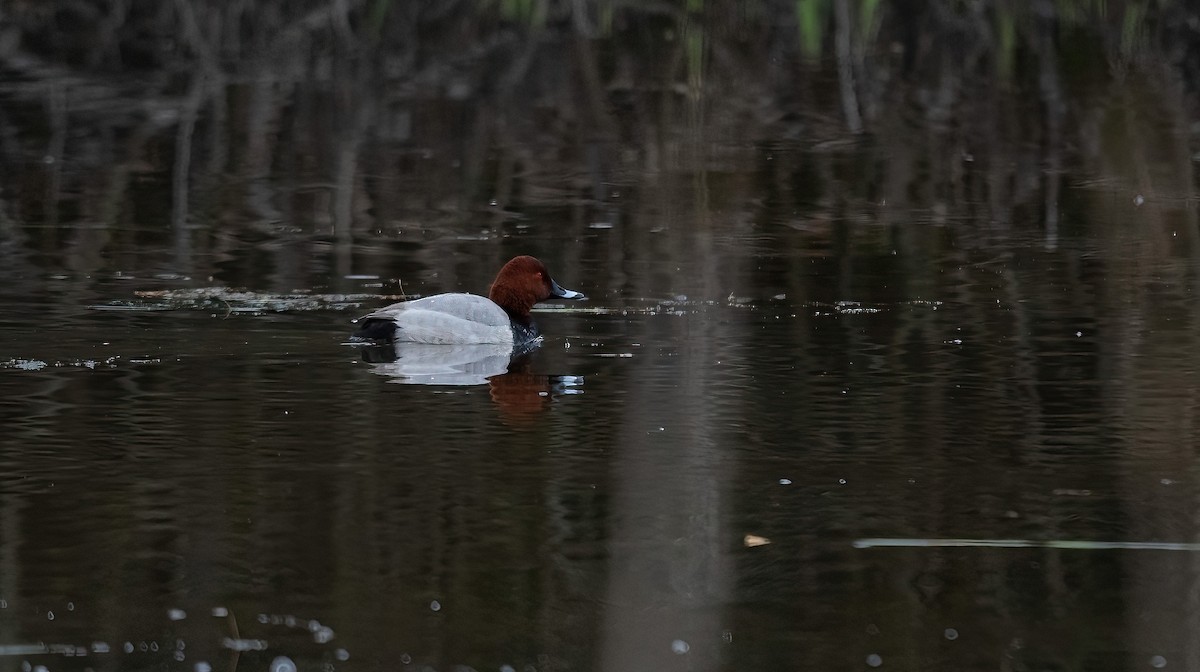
(924, 398)
(193, 460)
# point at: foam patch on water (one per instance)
(22, 364)
(175, 649)
(229, 301)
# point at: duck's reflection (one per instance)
(427, 364)
(508, 373)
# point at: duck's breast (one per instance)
(449, 318)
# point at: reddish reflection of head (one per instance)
(520, 395)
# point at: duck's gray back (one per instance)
(469, 307)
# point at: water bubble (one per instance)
(342, 655)
(507, 668)
(283, 664)
(435, 605)
(841, 481)
(323, 635)
(405, 658)
(220, 612)
(202, 666)
(25, 666)
(100, 647)
(680, 647)
(785, 481)
(874, 660)
(154, 646)
(178, 655)
(727, 636)
(3, 604)
(1138, 200)
(1158, 661)
(40, 668)
(70, 606)
(49, 615)
(951, 634)
(176, 614)
(128, 646)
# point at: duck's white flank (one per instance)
(448, 319)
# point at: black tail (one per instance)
(375, 330)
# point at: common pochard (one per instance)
(503, 317)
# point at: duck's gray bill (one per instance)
(557, 290)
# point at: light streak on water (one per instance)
(1065, 544)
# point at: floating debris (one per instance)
(38, 364)
(24, 364)
(229, 301)
(853, 308)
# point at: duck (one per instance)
(502, 317)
